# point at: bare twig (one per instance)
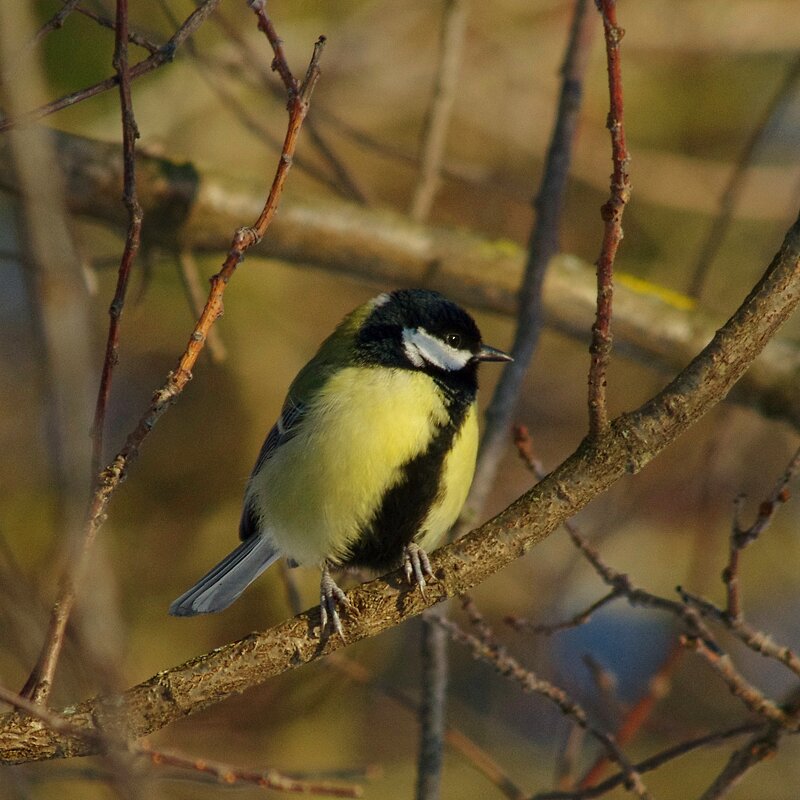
(653, 762)
(343, 182)
(56, 21)
(756, 640)
(738, 686)
(509, 667)
(741, 536)
(612, 211)
(155, 60)
(733, 188)
(581, 618)
(233, 776)
(187, 267)
(134, 37)
(434, 136)
(542, 247)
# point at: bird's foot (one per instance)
(330, 598)
(416, 566)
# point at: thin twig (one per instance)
(741, 537)
(739, 687)
(190, 277)
(153, 61)
(542, 246)
(756, 640)
(612, 210)
(509, 667)
(234, 776)
(653, 762)
(437, 122)
(581, 618)
(110, 478)
(343, 182)
(736, 181)
(134, 37)
(56, 21)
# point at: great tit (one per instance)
(372, 457)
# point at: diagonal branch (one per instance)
(633, 440)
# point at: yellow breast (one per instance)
(320, 487)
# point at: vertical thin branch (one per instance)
(733, 188)
(544, 244)
(434, 137)
(432, 715)
(130, 133)
(611, 213)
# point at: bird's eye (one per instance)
(453, 339)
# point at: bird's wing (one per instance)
(283, 430)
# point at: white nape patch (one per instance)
(380, 300)
(421, 346)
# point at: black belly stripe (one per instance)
(379, 545)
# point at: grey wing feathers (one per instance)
(225, 582)
(282, 430)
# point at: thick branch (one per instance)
(632, 441)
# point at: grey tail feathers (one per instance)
(225, 582)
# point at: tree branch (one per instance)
(632, 441)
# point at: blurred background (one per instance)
(702, 78)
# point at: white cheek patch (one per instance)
(420, 347)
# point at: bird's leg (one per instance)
(416, 566)
(330, 597)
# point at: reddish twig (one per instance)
(279, 63)
(110, 478)
(653, 762)
(130, 134)
(611, 213)
(56, 21)
(741, 536)
(155, 60)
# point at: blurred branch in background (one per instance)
(543, 246)
(660, 327)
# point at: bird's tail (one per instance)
(225, 582)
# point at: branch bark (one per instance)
(632, 441)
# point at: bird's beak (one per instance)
(487, 353)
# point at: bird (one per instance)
(371, 459)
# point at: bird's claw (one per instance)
(416, 566)
(330, 598)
